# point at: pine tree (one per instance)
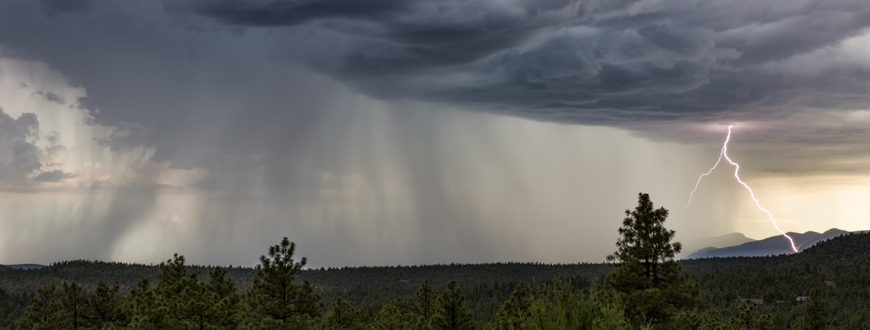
(197, 305)
(343, 316)
(73, 302)
(647, 274)
(179, 292)
(512, 313)
(559, 307)
(814, 315)
(223, 299)
(611, 317)
(745, 317)
(105, 306)
(390, 317)
(45, 312)
(452, 314)
(148, 310)
(274, 299)
(424, 304)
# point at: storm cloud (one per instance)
(584, 61)
(391, 131)
(20, 156)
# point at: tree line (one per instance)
(645, 289)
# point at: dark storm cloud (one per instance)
(594, 62)
(228, 86)
(53, 7)
(661, 67)
(584, 61)
(287, 13)
(404, 37)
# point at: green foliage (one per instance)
(391, 317)
(535, 296)
(424, 305)
(452, 313)
(746, 319)
(486, 286)
(560, 307)
(12, 307)
(274, 299)
(105, 307)
(73, 303)
(515, 310)
(223, 302)
(343, 316)
(45, 312)
(147, 309)
(173, 281)
(611, 317)
(814, 313)
(712, 320)
(651, 282)
(645, 239)
(210, 305)
(181, 301)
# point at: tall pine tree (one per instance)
(391, 317)
(46, 311)
(105, 307)
(343, 316)
(274, 298)
(452, 314)
(424, 305)
(74, 302)
(653, 284)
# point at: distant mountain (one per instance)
(24, 266)
(712, 243)
(774, 245)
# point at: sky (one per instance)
(397, 132)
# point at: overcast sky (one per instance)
(386, 132)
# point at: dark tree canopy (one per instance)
(452, 313)
(105, 306)
(647, 274)
(173, 295)
(646, 240)
(275, 297)
(424, 304)
(45, 311)
(814, 314)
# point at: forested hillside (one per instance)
(826, 286)
(778, 280)
(487, 285)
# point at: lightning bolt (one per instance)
(721, 153)
(724, 154)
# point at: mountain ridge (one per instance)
(715, 242)
(774, 245)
